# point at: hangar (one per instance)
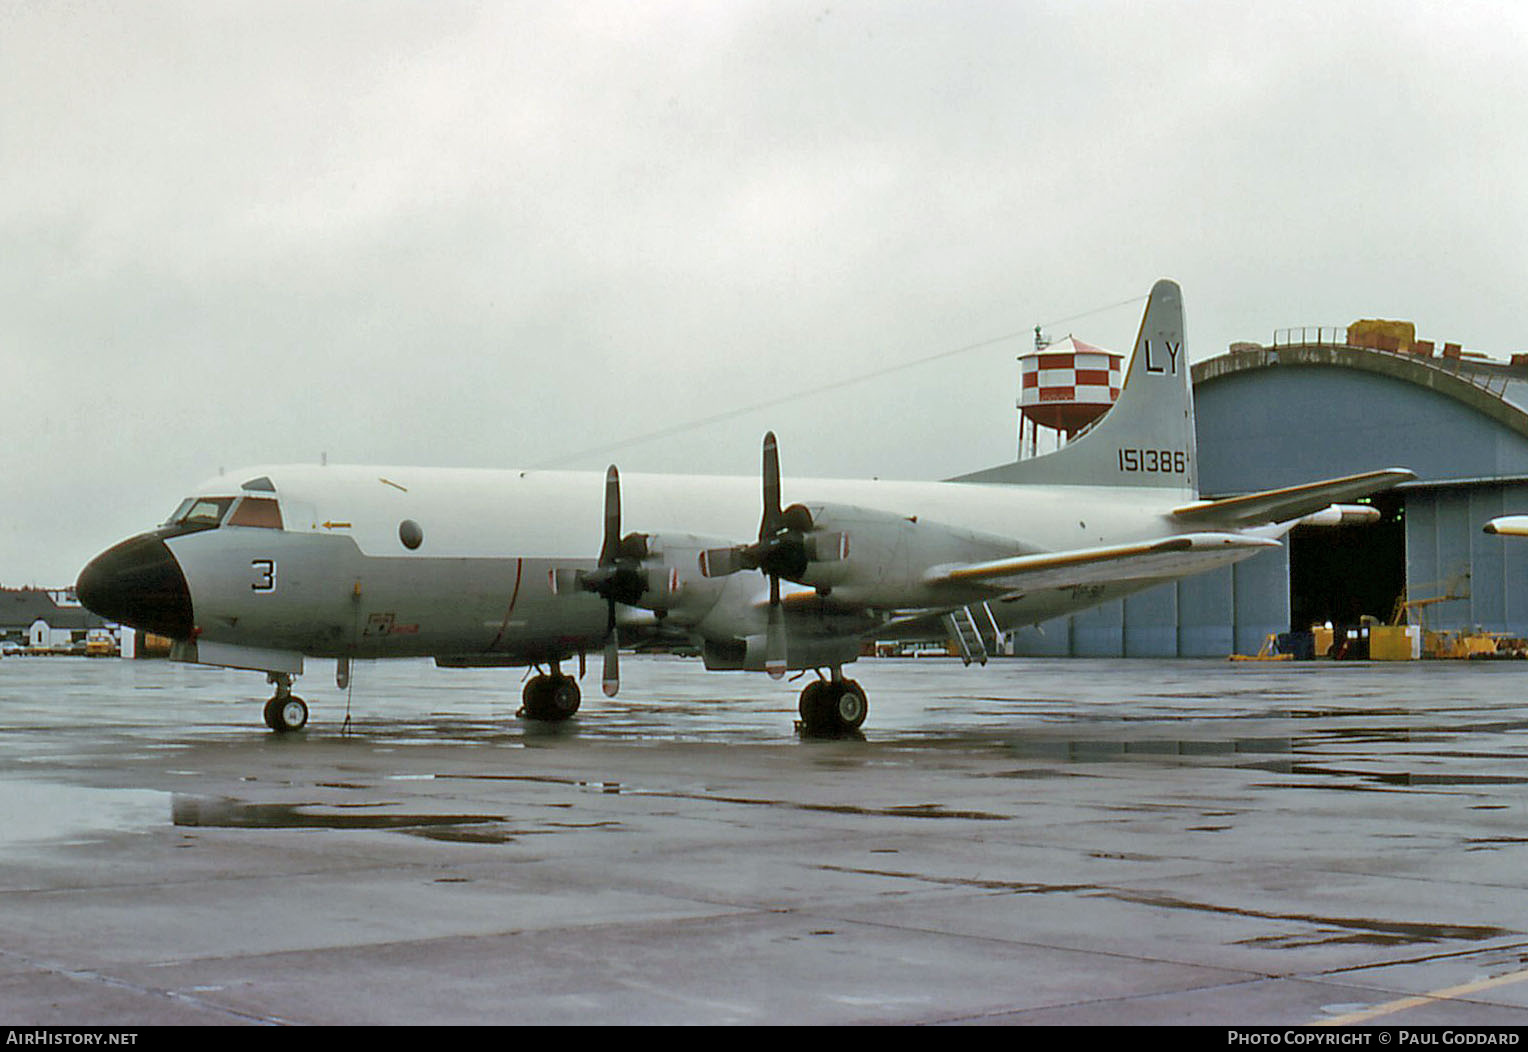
(1324, 402)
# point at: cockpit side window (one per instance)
(257, 511)
(180, 512)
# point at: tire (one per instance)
(830, 709)
(563, 698)
(283, 715)
(850, 706)
(551, 699)
(811, 704)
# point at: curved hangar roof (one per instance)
(1276, 416)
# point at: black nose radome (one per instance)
(138, 583)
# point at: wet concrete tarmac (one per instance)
(1031, 842)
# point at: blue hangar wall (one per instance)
(1269, 417)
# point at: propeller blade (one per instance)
(719, 562)
(611, 673)
(827, 547)
(772, 515)
(774, 641)
(610, 549)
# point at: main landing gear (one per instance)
(285, 711)
(552, 698)
(833, 707)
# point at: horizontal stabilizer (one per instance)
(1168, 557)
(1291, 502)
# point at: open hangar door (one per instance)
(1339, 575)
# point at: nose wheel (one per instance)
(831, 707)
(285, 711)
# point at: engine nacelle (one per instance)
(884, 555)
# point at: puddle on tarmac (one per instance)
(44, 812)
(39, 812)
(1095, 750)
(1324, 929)
(228, 813)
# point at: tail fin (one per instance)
(1147, 437)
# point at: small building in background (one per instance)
(38, 620)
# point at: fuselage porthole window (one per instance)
(410, 533)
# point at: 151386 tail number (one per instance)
(1154, 461)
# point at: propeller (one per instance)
(789, 543)
(618, 577)
(782, 551)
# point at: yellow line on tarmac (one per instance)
(1404, 1003)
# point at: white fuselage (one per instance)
(338, 578)
(475, 513)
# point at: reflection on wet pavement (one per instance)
(1421, 727)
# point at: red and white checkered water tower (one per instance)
(1064, 387)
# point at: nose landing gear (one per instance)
(285, 711)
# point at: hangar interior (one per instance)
(1317, 404)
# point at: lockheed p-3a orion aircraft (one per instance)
(265, 568)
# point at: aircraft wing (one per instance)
(1166, 557)
(1291, 502)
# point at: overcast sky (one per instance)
(505, 234)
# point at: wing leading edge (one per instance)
(1167, 557)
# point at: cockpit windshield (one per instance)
(205, 512)
(208, 513)
(257, 511)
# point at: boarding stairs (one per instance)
(969, 628)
